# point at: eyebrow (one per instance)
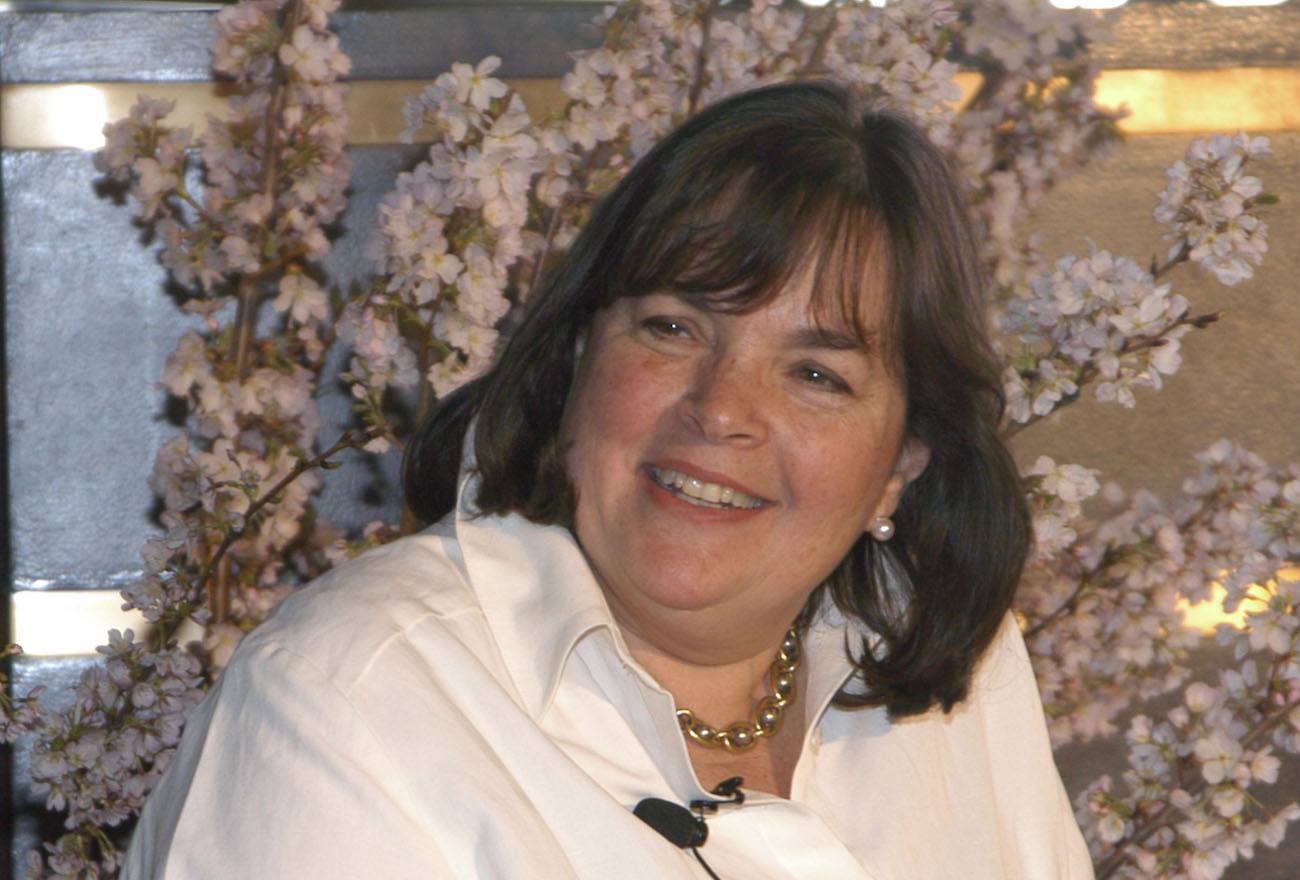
(814, 336)
(838, 340)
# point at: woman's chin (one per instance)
(662, 597)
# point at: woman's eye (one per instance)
(666, 327)
(820, 377)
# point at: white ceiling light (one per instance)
(1088, 4)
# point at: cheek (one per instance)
(616, 405)
(846, 473)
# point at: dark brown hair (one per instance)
(727, 207)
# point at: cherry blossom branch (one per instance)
(1086, 584)
(349, 440)
(274, 111)
(1067, 606)
(1194, 785)
(1090, 371)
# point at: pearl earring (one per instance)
(882, 528)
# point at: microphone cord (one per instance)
(708, 870)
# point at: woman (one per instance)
(719, 586)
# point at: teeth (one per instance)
(703, 492)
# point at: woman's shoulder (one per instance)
(341, 621)
(1005, 662)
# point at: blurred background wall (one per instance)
(86, 322)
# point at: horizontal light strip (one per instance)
(51, 116)
(63, 115)
(61, 622)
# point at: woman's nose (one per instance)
(725, 402)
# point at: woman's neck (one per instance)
(720, 693)
(718, 683)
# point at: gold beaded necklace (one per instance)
(741, 736)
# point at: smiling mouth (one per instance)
(702, 492)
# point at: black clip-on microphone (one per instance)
(679, 826)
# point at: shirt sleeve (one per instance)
(278, 776)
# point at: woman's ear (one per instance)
(575, 376)
(913, 456)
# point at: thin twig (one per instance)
(183, 192)
(349, 440)
(823, 38)
(552, 227)
(245, 322)
(1182, 256)
(1065, 607)
(702, 57)
(219, 595)
(1089, 370)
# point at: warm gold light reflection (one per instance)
(1256, 99)
(1207, 614)
(60, 623)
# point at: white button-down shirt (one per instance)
(460, 704)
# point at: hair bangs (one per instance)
(849, 252)
(756, 234)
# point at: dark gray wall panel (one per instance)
(386, 41)
(67, 47)
(89, 326)
(532, 39)
(87, 329)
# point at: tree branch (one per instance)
(823, 38)
(349, 440)
(1089, 371)
(702, 57)
(1193, 787)
(1065, 607)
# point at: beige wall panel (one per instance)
(1240, 378)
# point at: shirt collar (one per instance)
(826, 648)
(537, 592)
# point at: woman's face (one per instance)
(725, 463)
